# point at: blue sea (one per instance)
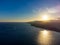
(19, 33)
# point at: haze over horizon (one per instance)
(28, 10)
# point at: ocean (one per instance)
(19, 33)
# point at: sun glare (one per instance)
(45, 32)
(44, 18)
(44, 37)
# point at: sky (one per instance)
(27, 10)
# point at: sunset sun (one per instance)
(45, 18)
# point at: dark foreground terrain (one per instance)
(53, 25)
(25, 34)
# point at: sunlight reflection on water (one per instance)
(45, 38)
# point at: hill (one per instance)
(53, 25)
